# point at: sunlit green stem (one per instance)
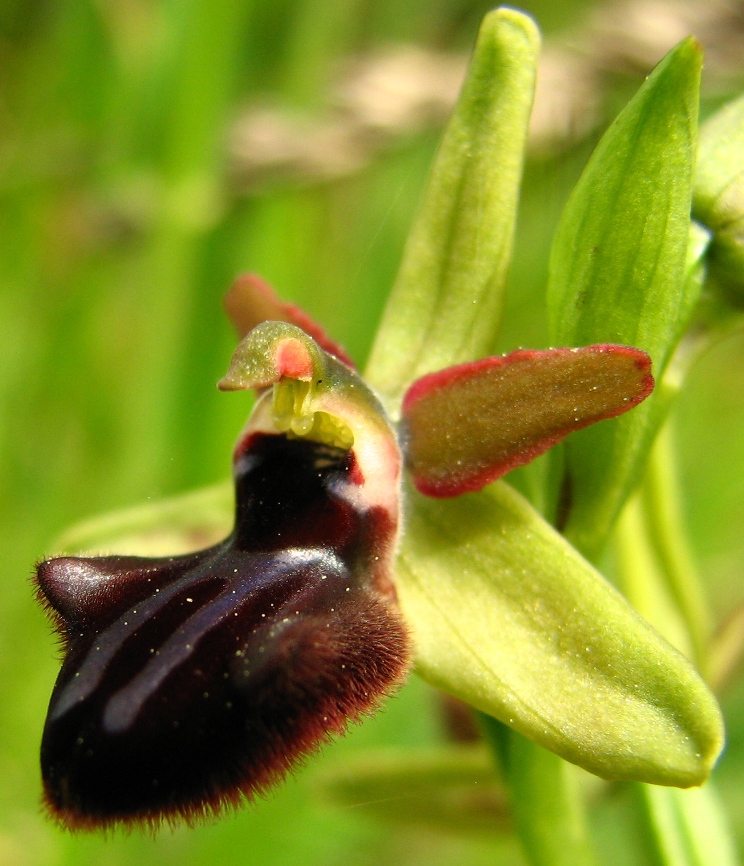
(684, 828)
(547, 807)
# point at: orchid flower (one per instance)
(371, 535)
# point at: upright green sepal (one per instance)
(618, 274)
(507, 616)
(446, 302)
(719, 193)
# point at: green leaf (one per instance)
(719, 192)
(507, 616)
(617, 274)
(445, 306)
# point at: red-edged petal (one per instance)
(468, 425)
(252, 301)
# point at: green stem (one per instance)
(546, 802)
(684, 828)
(656, 573)
(642, 580)
(661, 500)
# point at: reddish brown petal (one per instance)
(251, 301)
(466, 426)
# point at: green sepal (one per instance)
(445, 306)
(507, 616)
(169, 527)
(698, 244)
(618, 274)
(719, 193)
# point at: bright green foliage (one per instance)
(617, 273)
(445, 305)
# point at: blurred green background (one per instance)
(151, 150)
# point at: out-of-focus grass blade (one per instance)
(450, 788)
(446, 302)
(617, 273)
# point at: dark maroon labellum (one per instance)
(192, 682)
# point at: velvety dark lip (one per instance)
(250, 653)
